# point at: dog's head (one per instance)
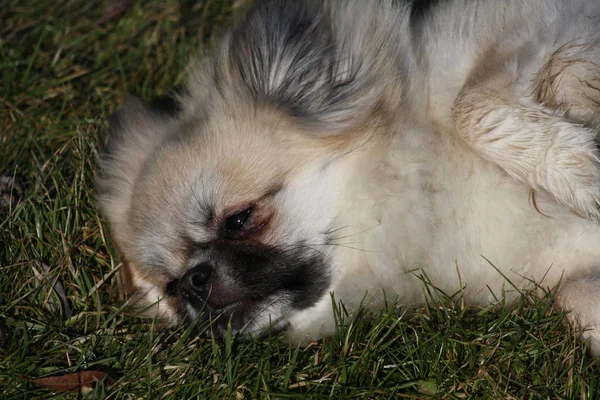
(228, 205)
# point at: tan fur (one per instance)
(370, 149)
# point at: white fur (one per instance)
(432, 205)
(485, 102)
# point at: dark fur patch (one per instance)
(288, 54)
(420, 9)
(260, 272)
(167, 106)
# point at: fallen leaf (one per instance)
(81, 381)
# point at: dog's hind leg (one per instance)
(544, 137)
(580, 296)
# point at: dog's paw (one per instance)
(572, 175)
(588, 203)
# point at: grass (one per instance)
(64, 67)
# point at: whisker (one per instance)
(356, 233)
(336, 229)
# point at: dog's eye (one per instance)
(236, 222)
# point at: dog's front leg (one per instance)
(532, 143)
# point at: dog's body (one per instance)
(357, 146)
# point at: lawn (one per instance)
(64, 67)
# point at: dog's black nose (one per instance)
(193, 285)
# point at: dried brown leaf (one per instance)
(81, 381)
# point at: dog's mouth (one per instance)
(215, 312)
(245, 317)
(233, 316)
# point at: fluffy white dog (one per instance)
(353, 146)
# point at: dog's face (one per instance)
(228, 208)
(228, 217)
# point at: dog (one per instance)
(354, 148)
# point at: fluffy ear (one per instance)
(131, 121)
(135, 131)
(322, 61)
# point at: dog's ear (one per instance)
(135, 131)
(132, 121)
(306, 58)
